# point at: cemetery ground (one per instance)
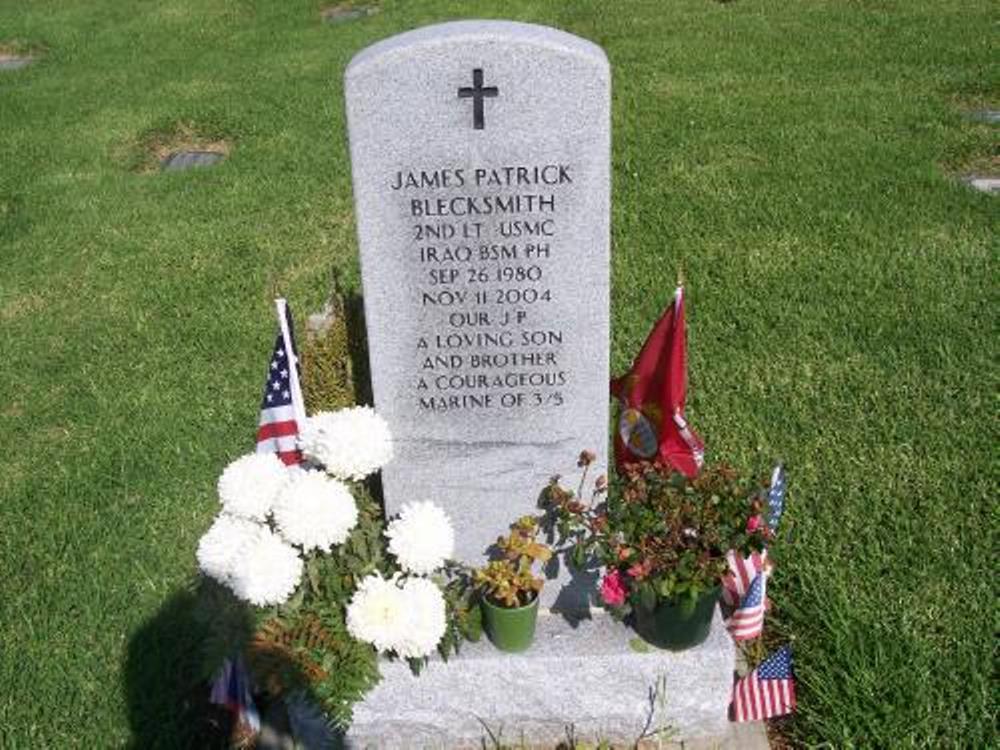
(799, 160)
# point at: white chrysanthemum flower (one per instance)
(376, 613)
(315, 511)
(350, 443)
(221, 546)
(425, 619)
(249, 485)
(267, 571)
(421, 538)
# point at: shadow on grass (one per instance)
(166, 691)
(169, 665)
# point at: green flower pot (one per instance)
(677, 626)
(510, 629)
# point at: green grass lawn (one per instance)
(794, 156)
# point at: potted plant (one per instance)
(509, 588)
(662, 539)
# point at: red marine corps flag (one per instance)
(652, 394)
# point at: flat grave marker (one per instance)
(178, 161)
(14, 62)
(988, 116)
(343, 13)
(990, 185)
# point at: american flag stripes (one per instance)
(747, 620)
(282, 409)
(742, 572)
(767, 691)
(232, 690)
(776, 498)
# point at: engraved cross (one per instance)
(477, 92)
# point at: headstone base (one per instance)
(585, 681)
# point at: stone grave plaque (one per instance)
(990, 185)
(988, 116)
(344, 13)
(14, 62)
(480, 157)
(179, 161)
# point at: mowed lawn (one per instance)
(796, 157)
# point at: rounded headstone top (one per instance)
(512, 32)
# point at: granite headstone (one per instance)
(480, 153)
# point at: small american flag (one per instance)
(742, 572)
(282, 409)
(232, 690)
(767, 691)
(776, 498)
(747, 621)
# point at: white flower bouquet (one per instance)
(324, 576)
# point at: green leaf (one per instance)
(295, 601)
(312, 572)
(647, 596)
(639, 646)
(472, 624)
(416, 666)
(687, 603)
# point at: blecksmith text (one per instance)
(487, 205)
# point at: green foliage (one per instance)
(327, 374)
(510, 580)
(304, 644)
(465, 619)
(666, 535)
(310, 650)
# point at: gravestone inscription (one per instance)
(480, 157)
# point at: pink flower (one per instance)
(613, 589)
(640, 570)
(753, 523)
